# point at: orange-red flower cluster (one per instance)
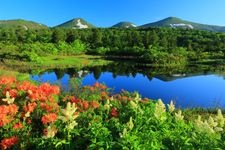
(50, 106)
(12, 92)
(43, 92)
(104, 95)
(26, 86)
(40, 93)
(9, 142)
(114, 112)
(29, 108)
(84, 105)
(49, 118)
(18, 125)
(96, 87)
(6, 113)
(4, 80)
(100, 86)
(94, 104)
(81, 104)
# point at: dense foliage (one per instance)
(152, 45)
(41, 116)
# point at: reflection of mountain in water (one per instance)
(129, 69)
(178, 76)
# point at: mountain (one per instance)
(124, 25)
(77, 23)
(21, 23)
(174, 22)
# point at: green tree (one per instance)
(58, 35)
(96, 38)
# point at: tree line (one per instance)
(151, 45)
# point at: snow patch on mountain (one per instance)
(25, 27)
(182, 25)
(133, 25)
(80, 25)
(130, 25)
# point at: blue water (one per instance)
(206, 91)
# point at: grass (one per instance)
(73, 61)
(54, 61)
(20, 76)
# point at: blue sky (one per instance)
(105, 13)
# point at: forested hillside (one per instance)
(150, 45)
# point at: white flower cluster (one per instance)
(8, 99)
(212, 125)
(69, 116)
(171, 107)
(179, 116)
(160, 111)
(50, 132)
(129, 127)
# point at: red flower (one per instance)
(94, 104)
(43, 92)
(119, 97)
(18, 125)
(9, 142)
(12, 109)
(103, 87)
(4, 120)
(30, 107)
(7, 113)
(96, 84)
(124, 97)
(92, 89)
(75, 99)
(114, 112)
(12, 92)
(145, 100)
(25, 86)
(3, 109)
(50, 107)
(104, 95)
(85, 105)
(7, 80)
(29, 121)
(49, 118)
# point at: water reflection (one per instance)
(189, 87)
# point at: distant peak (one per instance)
(76, 23)
(172, 18)
(75, 19)
(124, 24)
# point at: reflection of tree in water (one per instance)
(163, 73)
(59, 73)
(97, 72)
(132, 69)
(73, 72)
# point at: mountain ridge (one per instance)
(26, 24)
(80, 23)
(175, 22)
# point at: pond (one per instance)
(188, 87)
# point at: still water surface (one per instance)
(205, 90)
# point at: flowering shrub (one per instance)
(41, 116)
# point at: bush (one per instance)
(40, 117)
(31, 56)
(78, 47)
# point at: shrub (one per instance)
(41, 116)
